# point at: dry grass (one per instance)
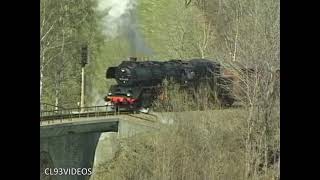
(199, 145)
(212, 144)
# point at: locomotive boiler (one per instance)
(140, 82)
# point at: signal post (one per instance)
(84, 62)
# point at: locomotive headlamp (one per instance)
(109, 93)
(125, 71)
(128, 94)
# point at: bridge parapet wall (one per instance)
(71, 146)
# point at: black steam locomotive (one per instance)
(140, 82)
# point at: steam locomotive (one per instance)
(139, 83)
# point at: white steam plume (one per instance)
(120, 20)
(98, 98)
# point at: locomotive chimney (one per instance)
(132, 58)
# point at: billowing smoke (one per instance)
(97, 98)
(120, 19)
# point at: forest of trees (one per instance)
(245, 31)
(237, 33)
(65, 26)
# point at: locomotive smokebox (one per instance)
(111, 72)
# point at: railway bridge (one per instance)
(69, 137)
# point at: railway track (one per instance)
(69, 115)
(80, 115)
(146, 118)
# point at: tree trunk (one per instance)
(56, 102)
(41, 82)
(236, 38)
(57, 97)
(59, 77)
